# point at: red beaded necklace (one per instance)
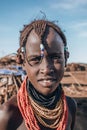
(28, 114)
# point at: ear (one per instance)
(66, 57)
(20, 58)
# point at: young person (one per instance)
(40, 103)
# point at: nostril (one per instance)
(47, 70)
(51, 70)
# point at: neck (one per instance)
(49, 101)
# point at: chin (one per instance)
(47, 90)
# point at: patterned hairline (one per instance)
(38, 25)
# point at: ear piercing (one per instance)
(51, 70)
(22, 49)
(65, 48)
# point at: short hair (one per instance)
(40, 27)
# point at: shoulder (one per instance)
(9, 114)
(9, 106)
(71, 104)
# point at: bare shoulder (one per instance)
(71, 104)
(10, 116)
(9, 106)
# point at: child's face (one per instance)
(46, 73)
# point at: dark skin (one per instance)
(43, 79)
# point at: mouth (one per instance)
(47, 81)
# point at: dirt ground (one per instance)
(75, 83)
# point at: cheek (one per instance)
(31, 72)
(61, 65)
(59, 70)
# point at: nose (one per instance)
(46, 66)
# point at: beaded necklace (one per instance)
(47, 101)
(32, 112)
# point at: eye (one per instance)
(56, 58)
(34, 60)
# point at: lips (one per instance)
(47, 81)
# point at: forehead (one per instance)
(52, 41)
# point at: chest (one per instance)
(23, 127)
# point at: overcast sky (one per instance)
(70, 14)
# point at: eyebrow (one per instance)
(33, 56)
(55, 53)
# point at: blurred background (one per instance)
(71, 16)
